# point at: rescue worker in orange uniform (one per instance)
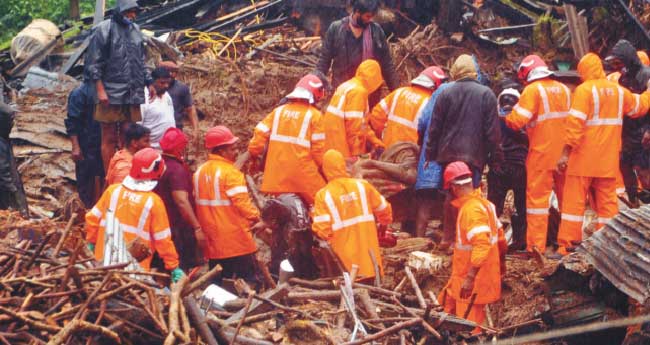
(345, 215)
(295, 138)
(590, 158)
(140, 213)
(475, 266)
(397, 115)
(542, 109)
(224, 208)
(345, 122)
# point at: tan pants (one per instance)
(113, 113)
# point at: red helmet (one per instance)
(309, 87)
(532, 67)
(147, 165)
(219, 135)
(173, 139)
(455, 170)
(430, 78)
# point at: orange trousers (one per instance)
(539, 184)
(576, 189)
(457, 307)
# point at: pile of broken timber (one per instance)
(302, 310)
(50, 294)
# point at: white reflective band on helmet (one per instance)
(236, 190)
(477, 230)
(262, 127)
(463, 181)
(522, 111)
(217, 201)
(578, 114)
(539, 211)
(572, 217)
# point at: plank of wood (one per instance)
(67, 66)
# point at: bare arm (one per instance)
(182, 201)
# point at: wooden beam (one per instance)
(579, 31)
(100, 8)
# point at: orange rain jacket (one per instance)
(141, 215)
(477, 231)
(542, 108)
(594, 125)
(295, 139)
(345, 213)
(344, 121)
(224, 209)
(397, 115)
(119, 167)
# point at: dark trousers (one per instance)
(512, 177)
(86, 172)
(243, 266)
(450, 213)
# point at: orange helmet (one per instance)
(147, 165)
(531, 68)
(455, 170)
(219, 135)
(430, 78)
(309, 87)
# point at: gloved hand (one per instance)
(91, 246)
(177, 273)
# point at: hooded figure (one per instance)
(464, 127)
(116, 56)
(634, 76)
(346, 129)
(593, 134)
(345, 215)
(12, 194)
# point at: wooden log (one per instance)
(174, 309)
(76, 326)
(416, 287)
(199, 321)
(385, 333)
(68, 226)
(204, 279)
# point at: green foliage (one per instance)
(16, 14)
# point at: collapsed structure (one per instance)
(239, 65)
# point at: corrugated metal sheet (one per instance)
(621, 252)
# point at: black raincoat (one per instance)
(116, 56)
(12, 193)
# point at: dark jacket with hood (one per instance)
(343, 52)
(12, 194)
(465, 125)
(116, 56)
(635, 78)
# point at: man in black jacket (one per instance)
(636, 132)
(85, 137)
(351, 40)
(12, 194)
(464, 127)
(115, 63)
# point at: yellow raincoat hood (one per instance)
(334, 165)
(369, 72)
(590, 67)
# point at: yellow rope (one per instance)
(217, 40)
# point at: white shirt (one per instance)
(158, 116)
